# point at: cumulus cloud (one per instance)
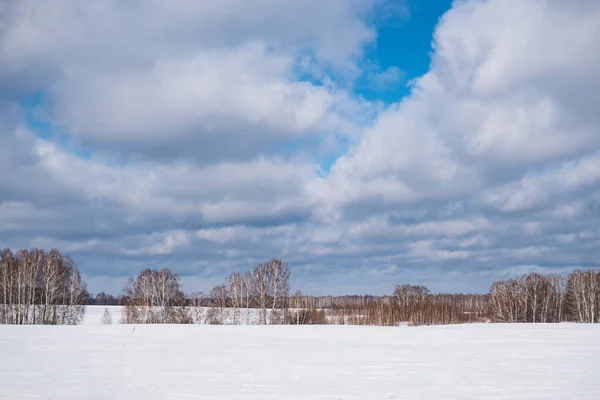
(481, 108)
(223, 103)
(193, 138)
(195, 79)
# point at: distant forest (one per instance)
(38, 287)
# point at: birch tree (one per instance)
(219, 296)
(280, 286)
(235, 285)
(40, 288)
(249, 292)
(155, 297)
(262, 277)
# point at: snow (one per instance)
(227, 316)
(93, 314)
(491, 361)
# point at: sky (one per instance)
(366, 143)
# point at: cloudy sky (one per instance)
(367, 143)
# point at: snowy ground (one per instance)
(483, 361)
(93, 315)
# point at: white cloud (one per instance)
(218, 95)
(543, 187)
(386, 79)
(166, 244)
(197, 80)
(484, 108)
(226, 192)
(204, 122)
(68, 30)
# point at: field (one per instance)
(491, 361)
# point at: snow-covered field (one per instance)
(483, 361)
(93, 315)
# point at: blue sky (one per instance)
(369, 144)
(404, 43)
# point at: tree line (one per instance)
(547, 298)
(529, 298)
(38, 287)
(156, 297)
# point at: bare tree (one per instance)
(262, 276)
(249, 292)
(219, 297)
(559, 288)
(40, 288)
(235, 286)
(411, 299)
(539, 298)
(280, 286)
(106, 318)
(583, 295)
(196, 308)
(155, 297)
(75, 295)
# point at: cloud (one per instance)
(223, 103)
(191, 79)
(211, 136)
(536, 188)
(392, 12)
(385, 79)
(482, 115)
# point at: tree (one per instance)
(410, 300)
(40, 288)
(279, 275)
(219, 296)
(106, 318)
(280, 282)
(101, 299)
(559, 289)
(249, 292)
(583, 296)
(262, 276)
(196, 310)
(235, 287)
(271, 285)
(539, 298)
(155, 297)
